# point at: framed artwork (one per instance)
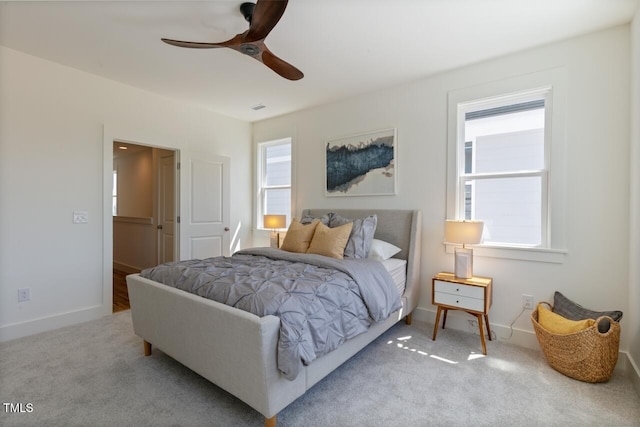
(361, 165)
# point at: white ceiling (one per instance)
(344, 47)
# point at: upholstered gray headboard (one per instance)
(402, 228)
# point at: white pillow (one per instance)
(381, 250)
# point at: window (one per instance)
(506, 164)
(274, 179)
(503, 175)
(115, 193)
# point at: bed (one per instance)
(239, 354)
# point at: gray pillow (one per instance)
(325, 219)
(574, 311)
(361, 236)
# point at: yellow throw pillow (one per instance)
(299, 236)
(330, 241)
(557, 324)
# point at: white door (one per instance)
(166, 209)
(204, 205)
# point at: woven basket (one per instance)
(587, 355)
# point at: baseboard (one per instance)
(126, 268)
(633, 372)
(519, 337)
(462, 322)
(32, 327)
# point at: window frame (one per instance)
(261, 171)
(551, 83)
(544, 93)
(114, 192)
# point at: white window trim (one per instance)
(260, 178)
(554, 248)
(114, 191)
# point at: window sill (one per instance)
(556, 256)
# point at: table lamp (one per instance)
(465, 233)
(275, 222)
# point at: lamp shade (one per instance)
(275, 221)
(464, 232)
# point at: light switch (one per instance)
(80, 217)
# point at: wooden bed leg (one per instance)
(147, 348)
(270, 422)
(407, 319)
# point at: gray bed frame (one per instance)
(239, 353)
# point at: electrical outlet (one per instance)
(527, 301)
(24, 294)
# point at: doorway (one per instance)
(144, 206)
(201, 198)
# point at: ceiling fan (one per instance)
(262, 17)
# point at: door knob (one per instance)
(226, 229)
(159, 227)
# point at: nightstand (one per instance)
(471, 295)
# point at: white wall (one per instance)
(52, 157)
(134, 244)
(595, 271)
(134, 232)
(135, 183)
(633, 319)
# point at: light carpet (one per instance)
(95, 374)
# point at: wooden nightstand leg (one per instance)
(435, 327)
(484, 345)
(444, 320)
(486, 320)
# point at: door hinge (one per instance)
(178, 165)
(178, 219)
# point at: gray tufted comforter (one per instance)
(321, 302)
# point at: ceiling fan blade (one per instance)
(266, 15)
(194, 45)
(281, 67)
(235, 41)
(263, 17)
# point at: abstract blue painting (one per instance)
(362, 165)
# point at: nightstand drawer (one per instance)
(460, 301)
(459, 289)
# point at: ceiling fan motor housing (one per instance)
(249, 49)
(247, 11)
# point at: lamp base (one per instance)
(274, 239)
(463, 263)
